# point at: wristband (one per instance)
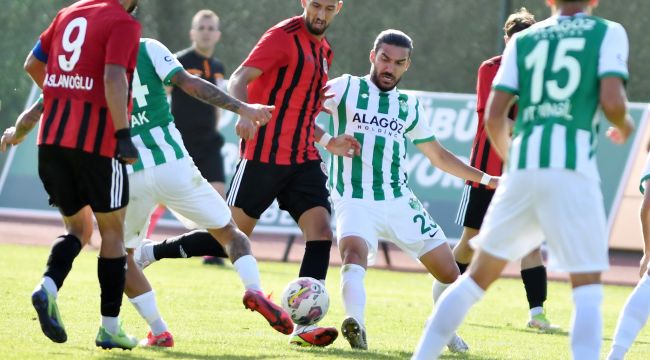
(123, 133)
(325, 139)
(485, 179)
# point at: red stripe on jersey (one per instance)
(294, 68)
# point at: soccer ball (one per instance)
(306, 300)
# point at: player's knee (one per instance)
(322, 232)
(449, 274)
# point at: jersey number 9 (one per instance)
(73, 46)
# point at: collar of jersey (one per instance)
(374, 87)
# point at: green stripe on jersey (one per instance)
(343, 120)
(150, 143)
(417, 117)
(571, 151)
(364, 95)
(357, 171)
(523, 147)
(170, 140)
(403, 106)
(394, 171)
(377, 171)
(545, 146)
(384, 103)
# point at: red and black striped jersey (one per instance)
(79, 42)
(294, 67)
(483, 156)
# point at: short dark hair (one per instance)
(520, 20)
(393, 37)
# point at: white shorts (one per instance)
(402, 221)
(180, 187)
(645, 175)
(563, 207)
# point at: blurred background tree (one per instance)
(451, 38)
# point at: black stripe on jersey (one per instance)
(475, 152)
(101, 126)
(303, 111)
(64, 121)
(50, 119)
(297, 73)
(487, 148)
(83, 128)
(292, 26)
(261, 134)
(314, 107)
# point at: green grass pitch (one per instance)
(202, 306)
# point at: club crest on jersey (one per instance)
(403, 106)
(325, 67)
(415, 204)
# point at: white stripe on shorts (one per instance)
(113, 183)
(462, 208)
(120, 184)
(236, 182)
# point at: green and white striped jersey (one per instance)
(381, 122)
(555, 67)
(152, 125)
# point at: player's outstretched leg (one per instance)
(440, 263)
(195, 243)
(143, 298)
(315, 226)
(631, 319)
(237, 245)
(354, 252)
(533, 275)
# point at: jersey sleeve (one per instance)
(419, 130)
(270, 51)
(163, 60)
(614, 53)
(337, 88)
(123, 42)
(507, 78)
(486, 73)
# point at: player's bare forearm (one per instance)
(205, 91)
(448, 162)
(36, 69)
(318, 132)
(116, 93)
(28, 119)
(497, 123)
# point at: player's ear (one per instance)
(372, 56)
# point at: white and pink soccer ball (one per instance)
(306, 300)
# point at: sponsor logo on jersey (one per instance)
(379, 125)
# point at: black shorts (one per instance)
(208, 159)
(473, 206)
(75, 178)
(298, 188)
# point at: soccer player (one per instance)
(370, 193)
(562, 68)
(476, 197)
(84, 61)
(637, 307)
(288, 68)
(165, 174)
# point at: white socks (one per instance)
(587, 324)
(353, 291)
(438, 289)
(145, 304)
(50, 286)
(111, 324)
(536, 311)
(449, 312)
(632, 318)
(248, 272)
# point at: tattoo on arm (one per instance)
(209, 93)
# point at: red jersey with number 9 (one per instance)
(81, 40)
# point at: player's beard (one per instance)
(314, 31)
(375, 79)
